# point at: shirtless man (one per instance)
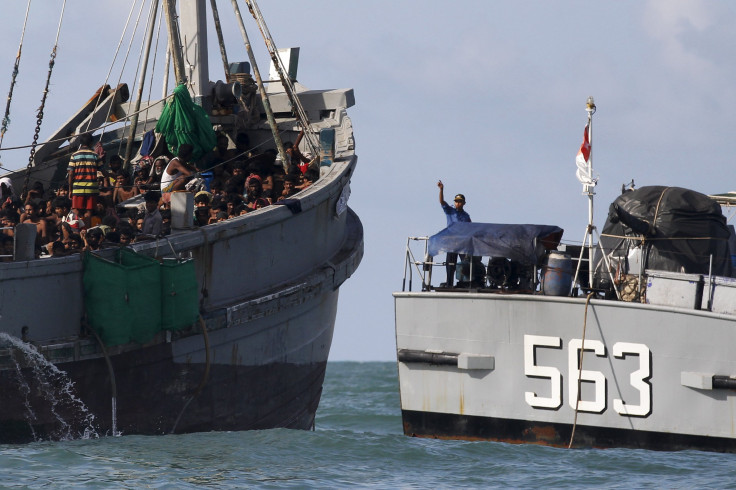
(176, 173)
(32, 216)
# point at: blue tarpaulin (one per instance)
(521, 243)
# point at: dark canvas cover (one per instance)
(521, 243)
(682, 230)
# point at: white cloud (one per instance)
(670, 22)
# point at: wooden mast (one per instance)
(175, 41)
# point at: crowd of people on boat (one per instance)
(92, 209)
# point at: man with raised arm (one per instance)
(453, 214)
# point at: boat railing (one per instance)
(472, 274)
(423, 267)
(551, 275)
(9, 256)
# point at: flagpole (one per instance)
(590, 109)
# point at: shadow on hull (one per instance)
(156, 396)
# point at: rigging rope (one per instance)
(115, 57)
(153, 67)
(104, 126)
(6, 118)
(39, 114)
(297, 107)
(125, 61)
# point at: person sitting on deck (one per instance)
(177, 172)
(290, 186)
(157, 171)
(254, 193)
(242, 147)
(127, 233)
(219, 153)
(201, 215)
(8, 219)
(453, 215)
(56, 249)
(64, 214)
(107, 187)
(165, 221)
(124, 190)
(202, 198)
(295, 157)
(310, 177)
(36, 192)
(92, 238)
(32, 215)
(7, 246)
(152, 220)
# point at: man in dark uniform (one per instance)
(453, 214)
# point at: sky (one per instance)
(486, 95)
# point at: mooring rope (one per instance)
(113, 384)
(580, 369)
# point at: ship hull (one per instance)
(255, 364)
(506, 367)
(174, 388)
(268, 285)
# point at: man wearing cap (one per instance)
(453, 216)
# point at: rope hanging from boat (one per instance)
(205, 375)
(39, 114)
(580, 369)
(6, 117)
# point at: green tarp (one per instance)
(183, 121)
(135, 297)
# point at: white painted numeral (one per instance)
(598, 405)
(531, 369)
(639, 379)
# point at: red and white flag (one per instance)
(585, 172)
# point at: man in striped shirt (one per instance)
(82, 175)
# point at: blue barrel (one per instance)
(557, 275)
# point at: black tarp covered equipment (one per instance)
(681, 229)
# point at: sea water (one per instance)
(358, 442)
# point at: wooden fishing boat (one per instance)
(248, 349)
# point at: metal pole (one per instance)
(590, 109)
(141, 83)
(175, 41)
(259, 82)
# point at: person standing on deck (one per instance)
(453, 215)
(82, 175)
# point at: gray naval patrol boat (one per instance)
(537, 344)
(247, 344)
